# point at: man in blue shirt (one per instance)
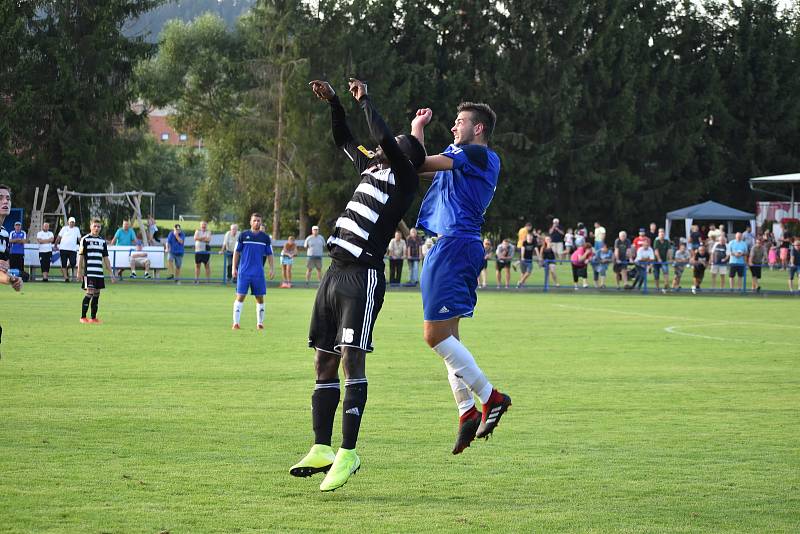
(125, 236)
(17, 238)
(175, 249)
(736, 264)
(453, 209)
(248, 269)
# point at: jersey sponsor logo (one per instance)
(369, 153)
(354, 411)
(347, 335)
(444, 309)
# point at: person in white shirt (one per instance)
(229, 247)
(315, 247)
(67, 242)
(45, 238)
(202, 251)
(645, 256)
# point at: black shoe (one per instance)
(493, 410)
(171, 277)
(467, 426)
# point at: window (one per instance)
(184, 137)
(165, 136)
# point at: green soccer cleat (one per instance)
(318, 460)
(346, 463)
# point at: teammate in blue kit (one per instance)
(248, 269)
(453, 208)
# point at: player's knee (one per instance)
(354, 362)
(326, 365)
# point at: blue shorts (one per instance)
(450, 278)
(256, 284)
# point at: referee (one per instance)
(351, 293)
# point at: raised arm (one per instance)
(342, 135)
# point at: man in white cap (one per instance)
(67, 242)
(315, 247)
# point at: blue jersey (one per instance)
(252, 247)
(457, 199)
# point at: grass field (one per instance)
(631, 413)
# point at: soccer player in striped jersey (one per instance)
(253, 247)
(351, 292)
(92, 258)
(453, 208)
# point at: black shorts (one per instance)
(201, 257)
(91, 282)
(619, 267)
(17, 261)
(348, 301)
(699, 272)
(69, 258)
(755, 270)
(736, 269)
(503, 264)
(44, 261)
(578, 272)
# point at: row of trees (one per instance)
(614, 110)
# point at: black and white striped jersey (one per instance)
(363, 230)
(93, 249)
(5, 247)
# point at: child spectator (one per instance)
(288, 253)
(682, 258)
(504, 255)
(699, 263)
(569, 242)
(600, 265)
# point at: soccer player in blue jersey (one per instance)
(453, 209)
(248, 269)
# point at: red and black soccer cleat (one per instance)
(467, 426)
(493, 410)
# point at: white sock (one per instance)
(260, 309)
(461, 393)
(237, 311)
(462, 364)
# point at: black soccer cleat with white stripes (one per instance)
(467, 426)
(493, 410)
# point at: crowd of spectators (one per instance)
(592, 256)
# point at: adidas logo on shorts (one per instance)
(444, 309)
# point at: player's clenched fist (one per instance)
(322, 89)
(423, 116)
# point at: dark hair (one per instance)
(412, 148)
(481, 113)
(4, 186)
(256, 214)
(95, 220)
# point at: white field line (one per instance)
(673, 330)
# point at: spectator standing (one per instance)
(599, 235)
(396, 252)
(580, 259)
(45, 238)
(697, 237)
(504, 255)
(229, 241)
(645, 256)
(622, 250)
(68, 240)
(700, 262)
(557, 239)
(756, 258)
(175, 249)
(682, 258)
(748, 237)
(784, 250)
(737, 250)
(652, 233)
(639, 240)
(17, 239)
(569, 242)
(426, 247)
(288, 253)
(202, 251)
(139, 259)
(526, 254)
(315, 246)
(548, 259)
(581, 235)
(523, 233)
(413, 256)
(124, 236)
(152, 230)
(603, 257)
(794, 266)
(488, 251)
(720, 254)
(662, 247)
(714, 233)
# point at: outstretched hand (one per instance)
(357, 88)
(423, 117)
(322, 89)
